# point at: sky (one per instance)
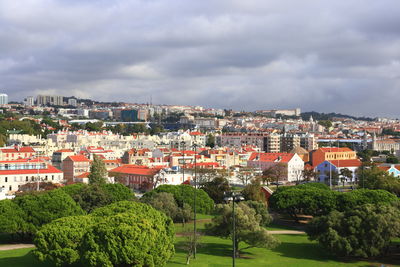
(328, 56)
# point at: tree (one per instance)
(245, 175)
(248, 227)
(326, 123)
(44, 207)
(305, 200)
(253, 191)
(345, 174)
(118, 192)
(261, 209)
(124, 233)
(309, 175)
(216, 188)
(277, 172)
(375, 178)
(98, 172)
(166, 203)
(185, 194)
(12, 220)
(392, 159)
(349, 200)
(364, 231)
(210, 140)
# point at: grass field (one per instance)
(295, 250)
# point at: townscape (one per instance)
(294, 166)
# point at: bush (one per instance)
(261, 209)
(122, 234)
(363, 231)
(184, 194)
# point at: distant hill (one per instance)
(329, 116)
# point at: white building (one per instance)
(3, 99)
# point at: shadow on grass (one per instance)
(310, 251)
(24, 260)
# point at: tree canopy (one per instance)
(124, 233)
(185, 194)
(98, 172)
(363, 231)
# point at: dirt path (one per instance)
(286, 232)
(15, 246)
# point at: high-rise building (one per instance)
(29, 101)
(44, 100)
(129, 115)
(3, 99)
(72, 102)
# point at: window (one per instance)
(26, 178)
(6, 179)
(10, 188)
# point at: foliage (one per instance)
(248, 227)
(392, 159)
(375, 178)
(60, 240)
(185, 194)
(253, 191)
(165, 202)
(124, 233)
(12, 220)
(210, 140)
(260, 209)
(245, 175)
(44, 207)
(217, 188)
(276, 172)
(326, 123)
(349, 200)
(98, 172)
(309, 175)
(303, 199)
(363, 231)
(93, 196)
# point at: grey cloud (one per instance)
(340, 56)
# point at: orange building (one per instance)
(331, 153)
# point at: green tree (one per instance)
(92, 197)
(261, 209)
(185, 194)
(165, 202)
(210, 140)
(309, 175)
(304, 200)
(375, 178)
(118, 192)
(216, 188)
(12, 220)
(248, 227)
(392, 159)
(364, 231)
(349, 200)
(326, 123)
(98, 172)
(253, 191)
(44, 207)
(345, 175)
(124, 233)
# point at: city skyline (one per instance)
(328, 57)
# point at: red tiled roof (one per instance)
(196, 133)
(83, 175)
(135, 170)
(346, 163)
(24, 149)
(271, 157)
(64, 150)
(78, 158)
(50, 169)
(335, 149)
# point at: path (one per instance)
(15, 246)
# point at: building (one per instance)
(74, 166)
(137, 176)
(331, 153)
(327, 167)
(293, 163)
(52, 100)
(129, 115)
(15, 173)
(3, 99)
(16, 152)
(100, 114)
(72, 102)
(29, 101)
(392, 169)
(59, 155)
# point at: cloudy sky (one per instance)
(341, 56)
